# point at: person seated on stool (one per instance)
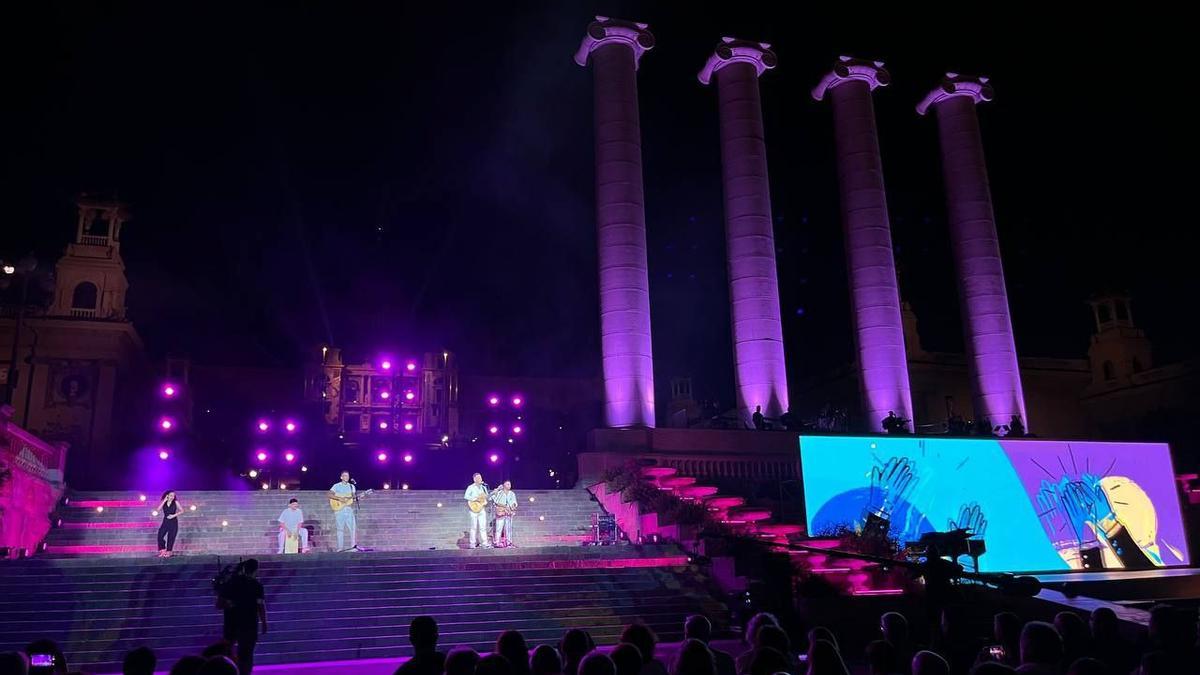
(290, 525)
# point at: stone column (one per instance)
(760, 374)
(991, 352)
(874, 292)
(614, 48)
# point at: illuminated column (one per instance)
(992, 354)
(614, 48)
(874, 293)
(759, 372)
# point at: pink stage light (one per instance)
(407, 457)
(290, 456)
(385, 395)
(493, 458)
(381, 457)
(408, 426)
(386, 364)
(263, 426)
(166, 423)
(517, 401)
(163, 454)
(261, 456)
(493, 400)
(383, 425)
(517, 429)
(169, 391)
(493, 429)
(411, 366)
(408, 395)
(290, 426)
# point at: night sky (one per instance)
(419, 179)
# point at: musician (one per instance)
(343, 491)
(506, 505)
(477, 492)
(290, 522)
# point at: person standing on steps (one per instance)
(169, 529)
(476, 497)
(343, 491)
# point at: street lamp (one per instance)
(22, 270)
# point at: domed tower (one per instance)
(1119, 349)
(90, 278)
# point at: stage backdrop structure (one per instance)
(1038, 505)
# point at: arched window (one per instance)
(1110, 373)
(84, 296)
(1104, 313)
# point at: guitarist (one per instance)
(506, 507)
(343, 491)
(477, 499)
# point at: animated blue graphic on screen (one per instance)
(1038, 505)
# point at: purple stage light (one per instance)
(261, 456)
(493, 429)
(169, 390)
(386, 364)
(408, 426)
(383, 425)
(408, 396)
(263, 426)
(517, 401)
(166, 423)
(290, 426)
(411, 366)
(163, 454)
(407, 457)
(517, 429)
(493, 458)
(493, 400)
(385, 395)
(381, 457)
(290, 456)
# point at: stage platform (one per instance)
(1141, 589)
(245, 523)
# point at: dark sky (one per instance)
(422, 178)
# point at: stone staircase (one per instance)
(333, 606)
(244, 523)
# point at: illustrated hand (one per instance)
(890, 483)
(1050, 510)
(971, 518)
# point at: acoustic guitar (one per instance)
(479, 503)
(339, 503)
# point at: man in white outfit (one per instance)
(290, 522)
(506, 502)
(343, 491)
(477, 492)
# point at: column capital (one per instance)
(849, 68)
(733, 50)
(605, 31)
(953, 85)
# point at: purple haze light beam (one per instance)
(760, 374)
(991, 350)
(614, 48)
(874, 291)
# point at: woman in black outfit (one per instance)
(170, 524)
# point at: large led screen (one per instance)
(1038, 505)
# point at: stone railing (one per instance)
(703, 453)
(32, 483)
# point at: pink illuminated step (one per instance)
(677, 481)
(696, 491)
(657, 472)
(879, 591)
(97, 549)
(749, 514)
(108, 503)
(721, 503)
(779, 529)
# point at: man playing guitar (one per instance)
(506, 507)
(477, 499)
(342, 493)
